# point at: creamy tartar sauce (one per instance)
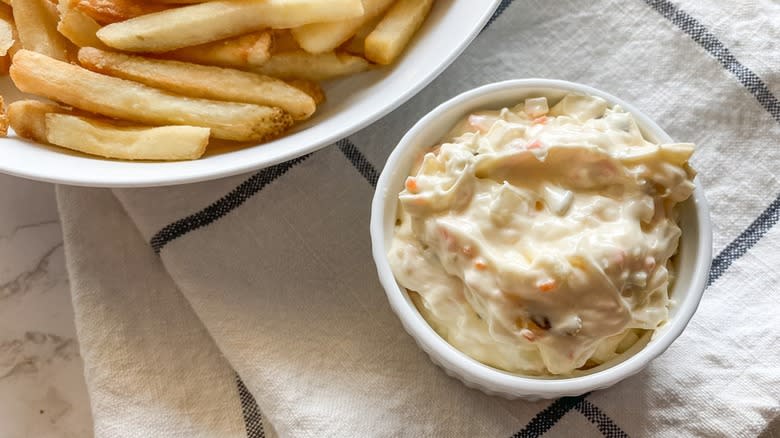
(538, 240)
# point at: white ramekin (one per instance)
(694, 259)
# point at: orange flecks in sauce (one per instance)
(480, 265)
(536, 144)
(547, 285)
(411, 185)
(540, 120)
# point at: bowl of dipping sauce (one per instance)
(541, 238)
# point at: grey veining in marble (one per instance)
(42, 390)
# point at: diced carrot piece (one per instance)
(480, 265)
(411, 184)
(540, 120)
(547, 285)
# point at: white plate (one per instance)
(353, 103)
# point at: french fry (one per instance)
(253, 48)
(356, 44)
(28, 118)
(311, 88)
(391, 36)
(36, 23)
(205, 69)
(201, 81)
(180, 2)
(325, 37)
(283, 41)
(215, 20)
(8, 34)
(79, 28)
(9, 38)
(107, 139)
(303, 65)
(122, 99)
(3, 118)
(65, 127)
(112, 11)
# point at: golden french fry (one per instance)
(7, 25)
(122, 99)
(112, 11)
(3, 118)
(215, 20)
(107, 139)
(201, 81)
(303, 65)
(37, 26)
(356, 44)
(283, 41)
(8, 34)
(253, 48)
(55, 124)
(79, 28)
(391, 36)
(28, 118)
(311, 88)
(325, 37)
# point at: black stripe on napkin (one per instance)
(224, 205)
(605, 425)
(252, 418)
(546, 419)
(745, 241)
(499, 11)
(359, 161)
(762, 94)
(719, 51)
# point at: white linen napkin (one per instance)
(178, 291)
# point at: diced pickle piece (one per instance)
(536, 107)
(677, 153)
(580, 107)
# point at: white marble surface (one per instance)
(42, 390)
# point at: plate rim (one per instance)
(161, 179)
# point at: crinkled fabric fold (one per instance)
(178, 291)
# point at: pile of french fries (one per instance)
(158, 79)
